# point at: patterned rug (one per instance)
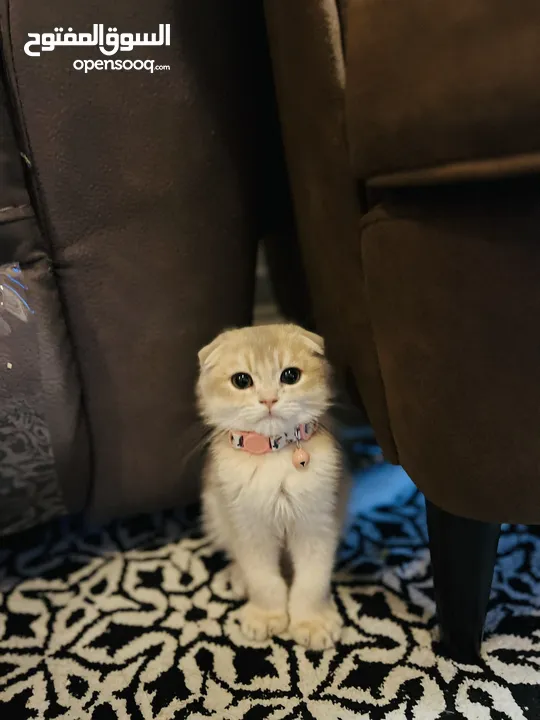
(135, 620)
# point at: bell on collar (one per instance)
(300, 458)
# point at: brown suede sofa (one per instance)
(412, 134)
(131, 206)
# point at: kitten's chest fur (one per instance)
(268, 489)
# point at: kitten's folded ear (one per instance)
(208, 352)
(313, 341)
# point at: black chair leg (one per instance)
(463, 554)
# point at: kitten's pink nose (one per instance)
(269, 403)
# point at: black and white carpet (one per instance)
(134, 620)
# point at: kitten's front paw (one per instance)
(259, 624)
(318, 630)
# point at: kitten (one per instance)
(274, 478)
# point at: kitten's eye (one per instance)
(290, 376)
(242, 381)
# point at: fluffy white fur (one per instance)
(258, 507)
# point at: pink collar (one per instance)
(256, 444)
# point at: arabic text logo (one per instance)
(109, 43)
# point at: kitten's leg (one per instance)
(314, 621)
(265, 614)
(217, 529)
(255, 552)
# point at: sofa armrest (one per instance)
(441, 91)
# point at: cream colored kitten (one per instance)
(270, 381)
